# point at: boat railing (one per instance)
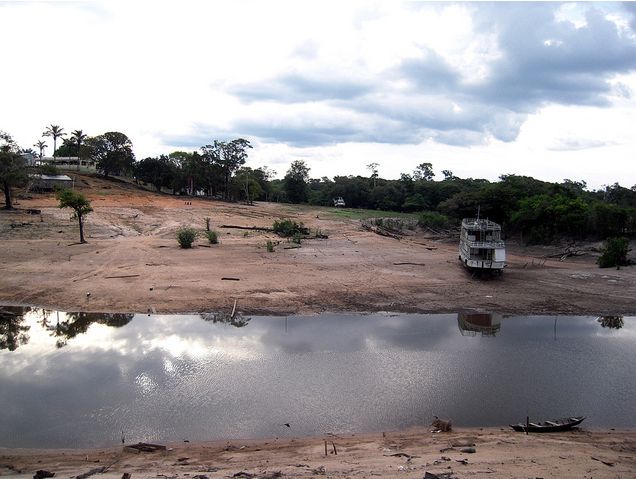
(485, 244)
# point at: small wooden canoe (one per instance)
(549, 426)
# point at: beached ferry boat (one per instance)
(481, 246)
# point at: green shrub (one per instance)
(212, 236)
(186, 236)
(432, 219)
(614, 252)
(296, 238)
(287, 228)
(270, 246)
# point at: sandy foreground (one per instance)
(409, 454)
(132, 263)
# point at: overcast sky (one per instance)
(482, 89)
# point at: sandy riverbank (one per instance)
(132, 263)
(408, 454)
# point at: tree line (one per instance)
(538, 211)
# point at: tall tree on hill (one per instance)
(40, 145)
(54, 131)
(112, 152)
(78, 137)
(12, 167)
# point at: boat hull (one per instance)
(549, 426)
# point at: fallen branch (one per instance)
(230, 279)
(380, 231)
(406, 262)
(250, 228)
(122, 276)
(607, 463)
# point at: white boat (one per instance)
(481, 246)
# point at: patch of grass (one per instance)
(186, 236)
(270, 246)
(213, 237)
(362, 214)
(396, 225)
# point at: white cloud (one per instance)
(481, 89)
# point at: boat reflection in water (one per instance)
(486, 324)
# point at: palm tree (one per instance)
(56, 132)
(79, 137)
(41, 145)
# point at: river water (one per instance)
(79, 380)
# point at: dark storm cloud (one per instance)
(542, 60)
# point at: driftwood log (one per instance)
(250, 228)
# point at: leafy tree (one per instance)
(79, 323)
(80, 205)
(159, 172)
(228, 156)
(112, 152)
(296, 182)
(448, 175)
(611, 322)
(54, 131)
(12, 167)
(13, 333)
(423, 171)
(245, 185)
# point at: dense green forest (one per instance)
(538, 211)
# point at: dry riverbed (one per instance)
(132, 263)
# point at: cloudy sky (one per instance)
(482, 89)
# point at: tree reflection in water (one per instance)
(612, 322)
(78, 323)
(13, 333)
(236, 320)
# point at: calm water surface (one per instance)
(70, 380)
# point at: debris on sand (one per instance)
(440, 425)
(144, 447)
